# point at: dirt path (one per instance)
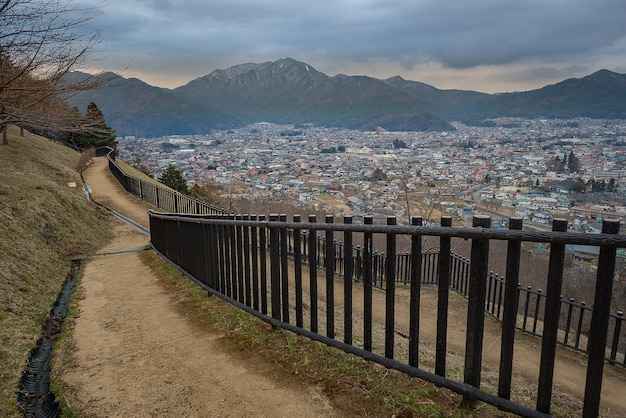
(136, 355)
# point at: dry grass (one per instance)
(42, 222)
(354, 386)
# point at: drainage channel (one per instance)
(33, 395)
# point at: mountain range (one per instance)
(291, 92)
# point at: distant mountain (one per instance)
(448, 104)
(599, 95)
(132, 107)
(289, 91)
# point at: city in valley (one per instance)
(535, 169)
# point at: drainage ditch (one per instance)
(34, 396)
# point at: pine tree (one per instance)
(573, 163)
(172, 177)
(612, 185)
(96, 132)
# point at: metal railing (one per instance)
(157, 195)
(574, 314)
(257, 264)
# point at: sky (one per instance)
(483, 45)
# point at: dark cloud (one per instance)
(455, 34)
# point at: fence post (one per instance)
(212, 262)
(297, 260)
(255, 264)
(509, 316)
(348, 267)
(232, 256)
(442, 300)
(599, 323)
(312, 256)
(284, 269)
(390, 290)
(479, 262)
(367, 285)
(240, 257)
(329, 259)
(263, 264)
(416, 286)
(551, 319)
(247, 252)
(274, 267)
(224, 265)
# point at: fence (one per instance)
(160, 196)
(258, 265)
(574, 314)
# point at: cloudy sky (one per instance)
(483, 45)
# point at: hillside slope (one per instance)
(42, 222)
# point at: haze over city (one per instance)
(485, 45)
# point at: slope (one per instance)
(42, 222)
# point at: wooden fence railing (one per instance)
(246, 260)
(259, 265)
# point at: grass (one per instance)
(42, 222)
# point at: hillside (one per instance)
(42, 222)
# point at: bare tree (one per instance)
(419, 199)
(41, 42)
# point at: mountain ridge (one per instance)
(288, 91)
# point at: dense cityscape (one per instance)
(535, 169)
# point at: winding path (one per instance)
(137, 355)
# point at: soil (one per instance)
(136, 352)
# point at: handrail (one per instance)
(226, 254)
(218, 253)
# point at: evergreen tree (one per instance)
(95, 131)
(398, 144)
(611, 186)
(172, 177)
(573, 163)
(595, 186)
